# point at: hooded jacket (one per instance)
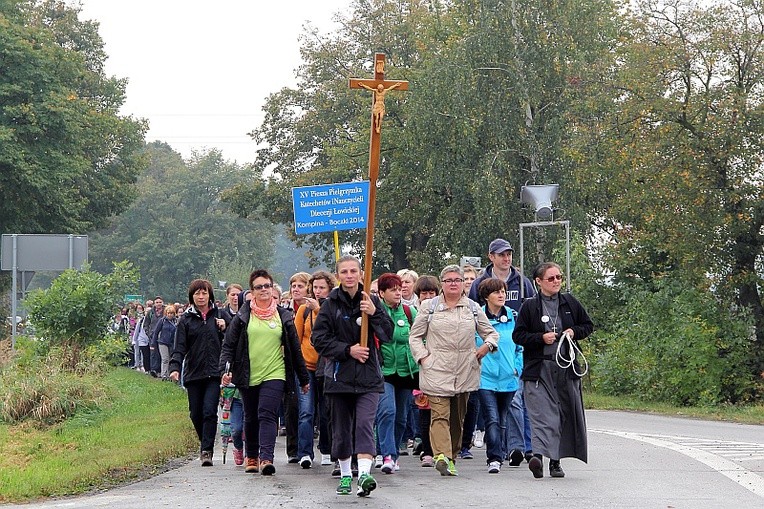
(197, 341)
(336, 329)
(236, 350)
(513, 288)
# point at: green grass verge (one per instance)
(752, 414)
(144, 425)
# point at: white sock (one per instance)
(364, 466)
(345, 470)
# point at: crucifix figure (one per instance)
(380, 86)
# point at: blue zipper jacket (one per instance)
(500, 370)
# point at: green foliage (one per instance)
(178, 226)
(76, 311)
(63, 145)
(678, 345)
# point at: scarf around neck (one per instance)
(263, 313)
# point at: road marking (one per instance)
(728, 468)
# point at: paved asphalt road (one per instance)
(635, 461)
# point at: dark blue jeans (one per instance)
(203, 398)
(495, 407)
(470, 419)
(308, 404)
(519, 428)
(261, 410)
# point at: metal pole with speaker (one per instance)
(541, 198)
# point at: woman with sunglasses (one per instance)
(549, 327)
(261, 356)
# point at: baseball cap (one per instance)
(499, 246)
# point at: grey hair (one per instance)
(451, 268)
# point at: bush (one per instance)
(76, 311)
(677, 345)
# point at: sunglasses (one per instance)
(552, 279)
(263, 286)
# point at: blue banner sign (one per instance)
(330, 207)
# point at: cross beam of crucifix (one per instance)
(379, 86)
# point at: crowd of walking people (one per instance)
(470, 358)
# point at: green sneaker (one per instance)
(366, 485)
(346, 484)
(452, 468)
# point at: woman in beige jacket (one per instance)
(442, 341)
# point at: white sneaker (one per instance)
(494, 467)
(397, 466)
(378, 461)
(306, 462)
(326, 459)
(477, 438)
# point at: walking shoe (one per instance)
(477, 439)
(345, 485)
(306, 462)
(267, 468)
(466, 454)
(515, 457)
(494, 467)
(528, 456)
(326, 460)
(427, 461)
(253, 465)
(354, 469)
(293, 459)
(336, 472)
(403, 450)
(397, 466)
(378, 461)
(366, 485)
(445, 466)
(238, 457)
(206, 458)
(536, 466)
(555, 469)
(388, 465)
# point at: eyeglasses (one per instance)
(552, 279)
(453, 281)
(263, 286)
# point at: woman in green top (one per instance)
(400, 371)
(261, 355)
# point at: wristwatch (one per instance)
(491, 346)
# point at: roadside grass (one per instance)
(143, 427)
(750, 414)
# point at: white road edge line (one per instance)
(744, 477)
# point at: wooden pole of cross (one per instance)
(379, 86)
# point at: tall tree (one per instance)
(672, 165)
(69, 161)
(178, 229)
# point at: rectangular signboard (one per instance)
(56, 252)
(330, 207)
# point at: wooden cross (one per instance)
(380, 86)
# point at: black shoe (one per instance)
(528, 456)
(293, 459)
(536, 465)
(354, 469)
(515, 457)
(336, 471)
(206, 458)
(555, 469)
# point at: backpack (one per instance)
(434, 304)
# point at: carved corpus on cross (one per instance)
(379, 86)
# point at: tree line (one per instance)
(648, 114)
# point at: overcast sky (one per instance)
(201, 71)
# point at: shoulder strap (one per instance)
(407, 310)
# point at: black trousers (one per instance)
(203, 398)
